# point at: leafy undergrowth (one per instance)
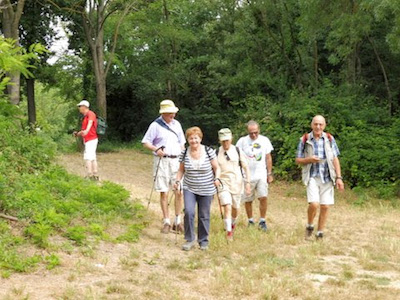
(57, 211)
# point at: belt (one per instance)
(171, 156)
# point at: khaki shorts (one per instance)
(166, 174)
(260, 187)
(90, 150)
(226, 198)
(319, 192)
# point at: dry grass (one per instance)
(359, 259)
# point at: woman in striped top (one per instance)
(198, 164)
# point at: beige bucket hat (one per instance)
(168, 107)
(225, 134)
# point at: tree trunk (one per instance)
(316, 75)
(30, 88)
(10, 23)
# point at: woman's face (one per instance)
(194, 140)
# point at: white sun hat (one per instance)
(168, 107)
(225, 134)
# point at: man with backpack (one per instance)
(165, 138)
(89, 134)
(318, 153)
(258, 150)
(232, 164)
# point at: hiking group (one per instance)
(235, 173)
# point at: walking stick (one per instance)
(220, 210)
(154, 179)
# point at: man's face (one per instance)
(169, 117)
(318, 125)
(226, 144)
(253, 131)
(82, 109)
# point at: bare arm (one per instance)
(307, 160)
(339, 181)
(270, 177)
(86, 131)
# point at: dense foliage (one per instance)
(279, 62)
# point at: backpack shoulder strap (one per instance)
(238, 152)
(162, 124)
(184, 155)
(208, 148)
(305, 138)
(330, 136)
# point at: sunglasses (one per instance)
(227, 156)
(254, 133)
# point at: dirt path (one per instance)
(360, 258)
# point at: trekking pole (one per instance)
(220, 210)
(154, 179)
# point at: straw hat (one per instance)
(168, 107)
(225, 134)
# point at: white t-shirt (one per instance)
(256, 151)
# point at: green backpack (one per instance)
(101, 126)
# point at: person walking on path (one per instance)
(166, 139)
(318, 153)
(257, 149)
(198, 164)
(90, 139)
(232, 163)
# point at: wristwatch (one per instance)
(339, 177)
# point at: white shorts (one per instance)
(226, 198)
(166, 175)
(260, 186)
(90, 150)
(319, 192)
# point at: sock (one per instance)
(228, 225)
(167, 221)
(234, 221)
(320, 232)
(262, 220)
(251, 220)
(310, 226)
(178, 219)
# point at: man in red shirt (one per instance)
(89, 134)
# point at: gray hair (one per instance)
(252, 123)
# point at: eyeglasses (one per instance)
(254, 133)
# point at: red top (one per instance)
(92, 134)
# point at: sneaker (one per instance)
(263, 226)
(309, 233)
(178, 228)
(233, 227)
(95, 178)
(229, 236)
(319, 236)
(188, 246)
(204, 247)
(251, 223)
(166, 228)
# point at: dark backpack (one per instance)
(101, 126)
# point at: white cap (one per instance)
(84, 103)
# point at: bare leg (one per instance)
(312, 212)
(249, 209)
(263, 207)
(235, 212)
(323, 215)
(89, 168)
(94, 167)
(164, 204)
(178, 203)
